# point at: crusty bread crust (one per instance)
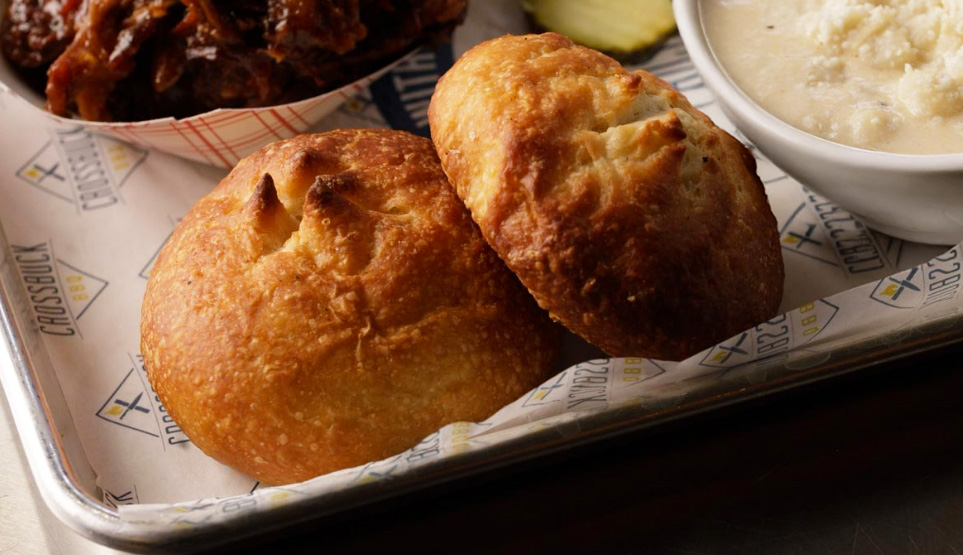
(331, 303)
(627, 213)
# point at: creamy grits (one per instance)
(877, 74)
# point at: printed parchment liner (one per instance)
(91, 236)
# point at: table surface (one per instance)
(872, 463)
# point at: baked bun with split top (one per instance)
(332, 303)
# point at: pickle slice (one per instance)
(624, 29)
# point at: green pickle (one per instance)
(627, 30)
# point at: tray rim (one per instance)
(56, 479)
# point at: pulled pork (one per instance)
(130, 60)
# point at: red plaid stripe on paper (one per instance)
(222, 137)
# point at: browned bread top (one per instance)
(332, 303)
(628, 214)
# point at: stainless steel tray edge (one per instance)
(22, 361)
(43, 424)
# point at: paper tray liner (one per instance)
(220, 137)
(85, 213)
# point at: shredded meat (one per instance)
(129, 60)
(35, 32)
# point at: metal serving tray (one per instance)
(66, 480)
(863, 326)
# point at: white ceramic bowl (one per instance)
(914, 197)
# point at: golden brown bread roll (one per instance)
(628, 214)
(331, 303)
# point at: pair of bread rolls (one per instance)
(332, 301)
